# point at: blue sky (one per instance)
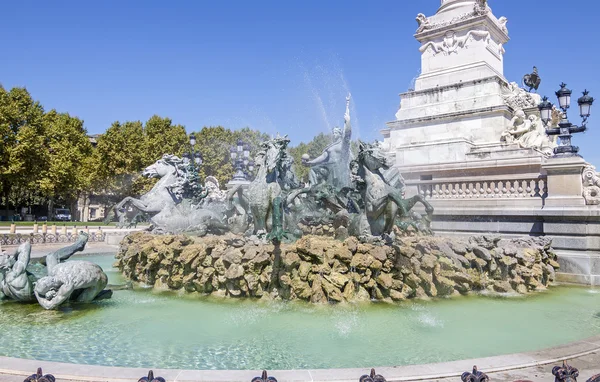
(277, 66)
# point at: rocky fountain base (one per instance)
(321, 269)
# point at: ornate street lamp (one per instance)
(545, 110)
(240, 158)
(565, 128)
(194, 161)
(564, 96)
(194, 157)
(585, 105)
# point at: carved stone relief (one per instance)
(591, 185)
(528, 131)
(451, 43)
(479, 9)
(518, 98)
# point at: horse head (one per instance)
(371, 156)
(168, 164)
(273, 154)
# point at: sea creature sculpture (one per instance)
(532, 80)
(17, 283)
(40, 377)
(80, 281)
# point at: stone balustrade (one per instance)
(510, 188)
(50, 238)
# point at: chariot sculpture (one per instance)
(365, 193)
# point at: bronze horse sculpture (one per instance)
(532, 80)
(382, 191)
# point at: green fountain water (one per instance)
(142, 328)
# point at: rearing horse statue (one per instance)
(264, 194)
(382, 190)
(165, 194)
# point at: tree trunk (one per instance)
(50, 209)
(5, 196)
(74, 211)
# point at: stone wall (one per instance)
(321, 269)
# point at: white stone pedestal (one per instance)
(564, 180)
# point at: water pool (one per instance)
(144, 328)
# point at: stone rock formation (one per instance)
(322, 269)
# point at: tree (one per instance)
(66, 172)
(23, 150)
(119, 157)
(214, 143)
(252, 138)
(162, 137)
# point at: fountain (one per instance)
(348, 261)
(302, 242)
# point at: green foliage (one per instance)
(121, 149)
(47, 157)
(23, 150)
(313, 148)
(66, 171)
(129, 147)
(215, 143)
(162, 137)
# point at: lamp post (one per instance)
(240, 158)
(194, 157)
(565, 128)
(194, 160)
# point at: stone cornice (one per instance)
(473, 112)
(469, 23)
(436, 89)
(471, 165)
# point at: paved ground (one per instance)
(588, 366)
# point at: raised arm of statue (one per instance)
(347, 126)
(323, 158)
(521, 129)
(22, 256)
